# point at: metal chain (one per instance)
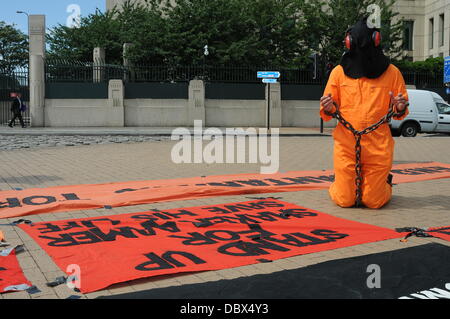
(358, 135)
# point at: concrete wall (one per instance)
(232, 113)
(174, 113)
(156, 113)
(302, 114)
(82, 113)
(116, 111)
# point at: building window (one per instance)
(431, 33)
(408, 32)
(441, 30)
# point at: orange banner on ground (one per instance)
(440, 232)
(11, 274)
(79, 197)
(112, 249)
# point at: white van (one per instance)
(428, 113)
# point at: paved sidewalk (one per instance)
(136, 131)
(422, 204)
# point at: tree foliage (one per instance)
(328, 26)
(13, 47)
(280, 33)
(430, 65)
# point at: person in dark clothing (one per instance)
(17, 108)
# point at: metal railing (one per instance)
(63, 71)
(74, 71)
(13, 81)
(423, 79)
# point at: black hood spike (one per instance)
(364, 59)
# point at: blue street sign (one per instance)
(269, 75)
(447, 70)
(269, 81)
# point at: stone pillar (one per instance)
(275, 104)
(99, 60)
(196, 104)
(129, 72)
(116, 95)
(126, 48)
(37, 91)
(36, 31)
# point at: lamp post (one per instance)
(23, 12)
(205, 54)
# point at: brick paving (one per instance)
(422, 204)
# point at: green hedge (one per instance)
(430, 65)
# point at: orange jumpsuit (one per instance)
(363, 102)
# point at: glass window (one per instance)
(441, 30)
(408, 33)
(443, 108)
(431, 33)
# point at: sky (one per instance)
(56, 11)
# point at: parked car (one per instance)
(428, 113)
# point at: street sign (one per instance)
(447, 70)
(269, 81)
(269, 75)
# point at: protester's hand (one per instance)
(327, 103)
(400, 103)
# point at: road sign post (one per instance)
(268, 77)
(447, 76)
(447, 71)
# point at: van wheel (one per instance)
(410, 129)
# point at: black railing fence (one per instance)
(74, 71)
(90, 72)
(423, 80)
(13, 81)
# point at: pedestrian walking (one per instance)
(17, 108)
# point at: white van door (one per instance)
(423, 110)
(443, 117)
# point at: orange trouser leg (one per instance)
(343, 190)
(376, 192)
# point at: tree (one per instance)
(327, 27)
(278, 33)
(237, 32)
(96, 30)
(13, 47)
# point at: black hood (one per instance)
(364, 59)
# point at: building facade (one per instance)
(427, 27)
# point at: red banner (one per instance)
(79, 197)
(440, 232)
(11, 275)
(114, 249)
